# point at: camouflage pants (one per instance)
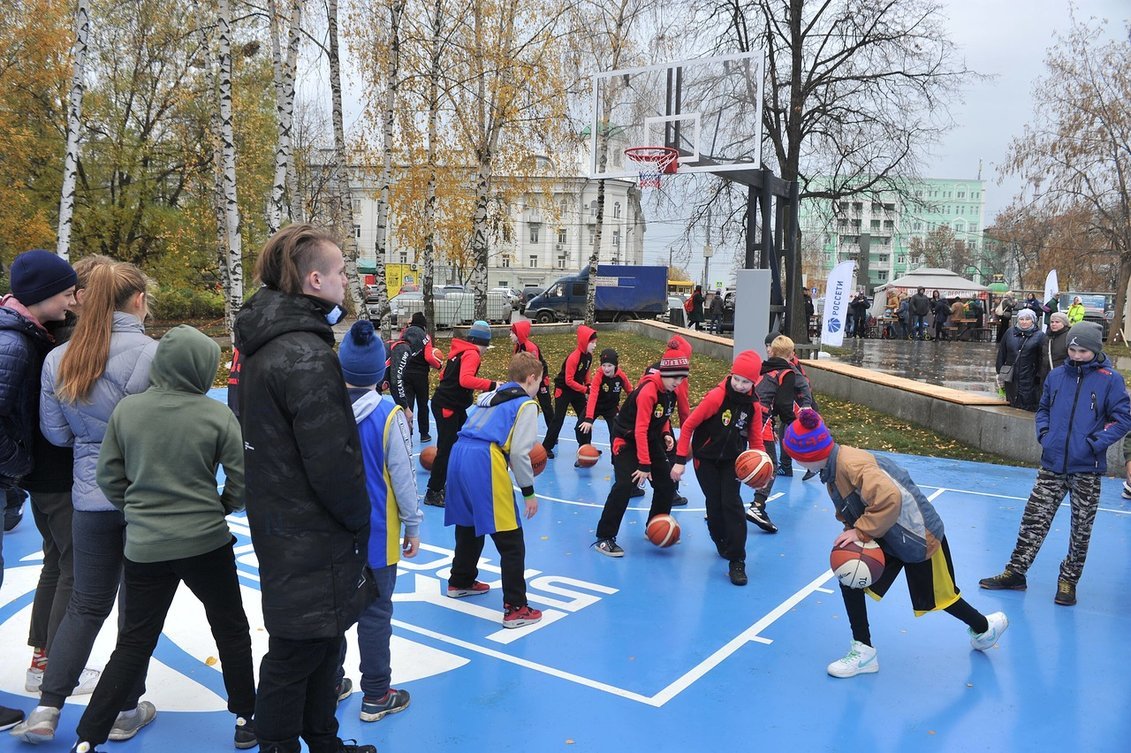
(1084, 494)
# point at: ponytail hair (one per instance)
(110, 287)
(290, 255)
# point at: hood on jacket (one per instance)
(584, 335)
(521, 330)
(461, 346)
(1076, 369)
(774, 363)
(185, 361)
(415, 338)
(17, 317)
(270, 313)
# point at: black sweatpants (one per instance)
(726, 518)
(771, 449)
(562, 403)
(546, 405)
(296, 695)
(416, 395)
(624, 463)
(447, 430)
(512, 561)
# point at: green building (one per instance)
(877, 229)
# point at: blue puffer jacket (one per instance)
(23, 346)
(82, 425)
(1084, 410)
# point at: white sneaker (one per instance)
(861, 658)
(1126, 494)
(985, 641)
(88, 681)
(39, 727)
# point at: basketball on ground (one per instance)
(427, 457)
(857, 565)
(588, 455)
(754, 468)
(538, 458)
(662, 530)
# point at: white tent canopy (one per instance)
(943, 280)
(949, 284)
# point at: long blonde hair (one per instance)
(110, 288)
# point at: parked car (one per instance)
(371, 294)
(675, 313)
(518, 303)
(530, 291)
(403, 305)
(445, 289)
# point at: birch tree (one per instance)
(285, 70)
(341, 196)
(233, 298)
(74, 127)
(605, 36)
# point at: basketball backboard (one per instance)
(709, 109)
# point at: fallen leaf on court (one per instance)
(545, 538)
(211, 661)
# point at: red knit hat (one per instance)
(747, 365)
(674, 364)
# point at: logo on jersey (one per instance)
(658, 411)
(725, 418)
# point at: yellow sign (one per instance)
(398, 276)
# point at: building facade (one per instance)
(877, 230)
(551, 231)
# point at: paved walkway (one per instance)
(959, 365)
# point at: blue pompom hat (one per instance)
(362, 355)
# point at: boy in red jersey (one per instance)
(642, 436)
(727, 422)
(605, 394)
(520, 336)
(570, 387)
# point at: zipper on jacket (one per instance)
(1072, 415)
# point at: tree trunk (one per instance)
(74, 125)
(341, 201)
(479, 245)
(234, 256)
(434, 73)
(388, 119)
(284, 109)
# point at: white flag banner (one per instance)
(837, 297)
(1052, 286)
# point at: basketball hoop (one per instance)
(654, 162)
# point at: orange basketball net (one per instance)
(654, 162)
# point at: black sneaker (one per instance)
(636, 492)
(436, 499)
(344, 689)
(245, 733)
(549, 454)
(352, 746)
(784, 471)
(757, 515)
(679, 501)
(738, 573)
(1006, 581)
(10, 717)
(1065, 593)
(608, 547)
(808, 475)
(1126, 493)
(425, 437)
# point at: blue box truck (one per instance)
(623, 292)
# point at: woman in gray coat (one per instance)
(107, 358)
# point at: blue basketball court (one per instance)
(658, 651)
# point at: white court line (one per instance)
(751, 634)
(1066, 503)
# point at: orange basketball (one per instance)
(588, 455)
(662, 530)
(538, 458)
(427, 457)
(754, 468)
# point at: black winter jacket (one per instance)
(23, 346)
(1022, 350)
(307, 504)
